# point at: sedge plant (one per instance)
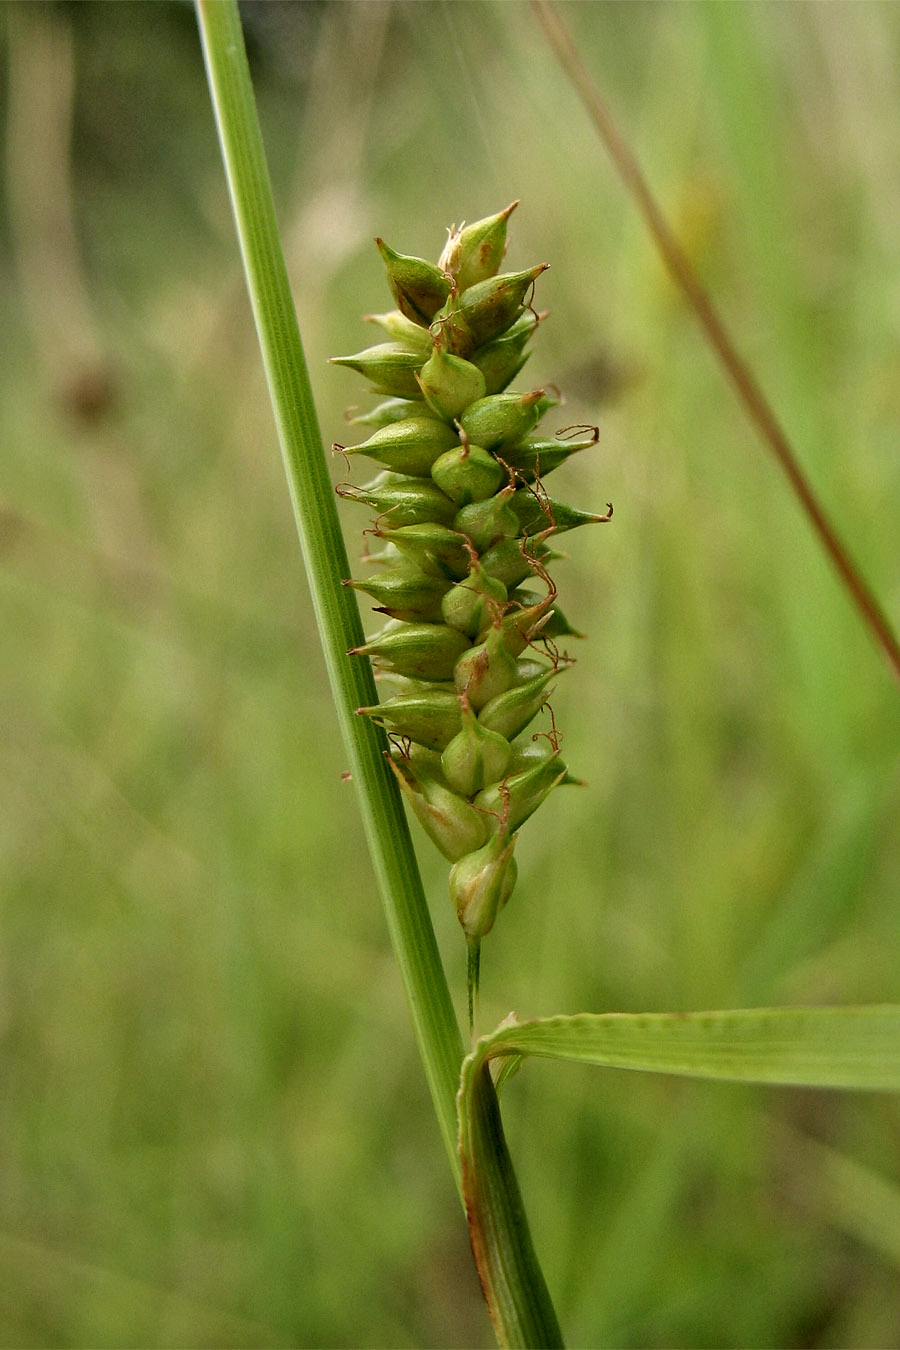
(467, 528)
(472, 646)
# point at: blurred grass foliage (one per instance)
(213, 1128)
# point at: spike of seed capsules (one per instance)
(524, 757)
(460, 536)
(527, 668)
(514, 560)
(450, 330)
(523, 624)
(525, 754)
(421, 761)
(557, 624)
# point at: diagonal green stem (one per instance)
(409, 923)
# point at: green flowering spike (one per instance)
(427, 651)
(390, 368)
(463, 571)
(535, 458)
(402, 500)
(474, 252)
(434, 548)
(536, 512)
(520, 794)
(403, 330)
(481, 883)
(431, 719)
(419, 287)
(449, 384)
(501, 360)
(502, 419)
(467, 473)
(490, 307)
(473, 604)
(510, 713)
(410, 446)
(486, 670)
(476, 756)
(449, 820)
(488, 522)
(392, 410)
(406, 594)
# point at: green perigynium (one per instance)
(464, 520)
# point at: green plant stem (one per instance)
(511, 1278)
(409, 922)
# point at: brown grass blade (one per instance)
(748, 390)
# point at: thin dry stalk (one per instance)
(748, 390)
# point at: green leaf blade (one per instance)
(848, 1047)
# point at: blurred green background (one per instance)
(213, 1126)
